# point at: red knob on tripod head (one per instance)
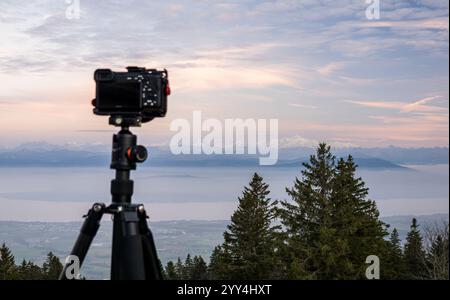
(137, 154)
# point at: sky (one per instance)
(322, 68)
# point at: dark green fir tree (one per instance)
(392, 264)
(170, 271)
(179, 269)
(52, 267)
(415, 268)
(199, 269)
(355, 219)
(30, 271)
(307, 219)
(219, 265)
(331, 225)
(438, 256)
(8, 269)
(249, 243)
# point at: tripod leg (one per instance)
(127, 251)
(87, 233)
(134, 254)
(152, 264)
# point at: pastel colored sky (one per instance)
(321, 67)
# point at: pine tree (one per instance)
(438, 260)
(307, 219)
(187, 269)
(163, 271)
(199, 269)
(249, 242)
(7, 264)
(179, 269)
(331, 226)
(192, 269)
(30, 271)
(359, 232)
(170, 271)
(52, 267)
(395, 243)
(219, 265)
(22, 270)
(392, 264)
(414, 254)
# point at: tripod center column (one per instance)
(122, 186)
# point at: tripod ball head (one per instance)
(126, 152)
(137, 154)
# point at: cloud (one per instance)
(300, 141)
(419, 106)
(413, 131)
(358, 80)
(175, 8)
(262, 55)
(380, 104)
(298, 105)
(215, 78)
(115, 31)
(408, 123)
(425, 24)
(233, 67)
(330, 68)
(422, 119)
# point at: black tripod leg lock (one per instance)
(92, 220)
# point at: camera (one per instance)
(138, 95)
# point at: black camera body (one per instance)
(139, 94)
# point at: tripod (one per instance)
(133, 249)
